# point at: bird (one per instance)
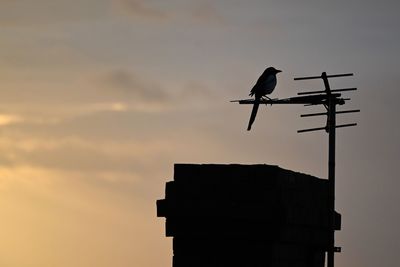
(264, 86)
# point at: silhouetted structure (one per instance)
(246, 215)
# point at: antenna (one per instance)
(329, 98)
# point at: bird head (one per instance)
(272, 70)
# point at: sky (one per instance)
(99, 98)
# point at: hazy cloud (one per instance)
(201, 11)
(132, 91)
(28, 13)
(140, 8)
(82, 155)
(130, 84)
(198, 94)
(7, 119)
(207, 12)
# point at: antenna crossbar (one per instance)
(326, 128)
(332, 90)
(325, 113)
(320, 77)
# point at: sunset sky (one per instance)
(99, 98)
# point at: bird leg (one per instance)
(267, 98)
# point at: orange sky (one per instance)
(100, 97)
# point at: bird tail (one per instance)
(253, 113)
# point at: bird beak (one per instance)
(277, 71)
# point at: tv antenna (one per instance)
(329, 98)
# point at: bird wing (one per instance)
(254, 89)
(269, 84)
(264, 85)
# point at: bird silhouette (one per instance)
(264, 86)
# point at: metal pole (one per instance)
(331, 178)
(331, 128)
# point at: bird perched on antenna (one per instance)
(264, 86)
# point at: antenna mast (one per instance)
(329, 98)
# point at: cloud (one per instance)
(201, 11)
(107, 106)
(29, 13)
(7, 119)
(139, 8)
(129, 84)
(206, 12)
(120, 162)
(128, 90)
